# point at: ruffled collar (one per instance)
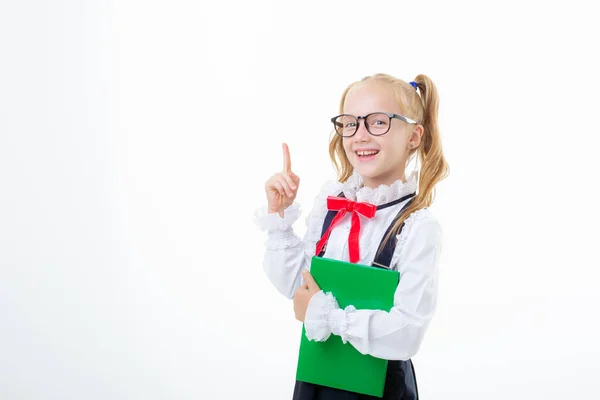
(354, 190)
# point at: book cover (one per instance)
(333, 363)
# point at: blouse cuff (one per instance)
(272, 222)
(324, 317)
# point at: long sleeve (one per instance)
(397, 334)
(286, 255)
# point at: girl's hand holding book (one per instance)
(303, 295)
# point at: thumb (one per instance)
(310, 281)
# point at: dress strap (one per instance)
(383, 257)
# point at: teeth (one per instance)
(366, 153)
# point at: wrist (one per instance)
(274, 211)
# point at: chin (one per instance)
(366, 171)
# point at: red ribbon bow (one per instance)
(344, 205)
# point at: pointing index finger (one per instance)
(287, 163)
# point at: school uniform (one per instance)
(395, 335)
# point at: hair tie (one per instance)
(413, 84)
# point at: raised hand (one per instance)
(282, 187)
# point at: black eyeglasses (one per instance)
(377, 124)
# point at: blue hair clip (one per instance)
(413, 84)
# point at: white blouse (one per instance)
(393, 335)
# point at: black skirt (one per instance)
(400, 384)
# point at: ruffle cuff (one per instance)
(272, 222)
(324, 317)
(280, 234)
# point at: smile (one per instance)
(366, 155)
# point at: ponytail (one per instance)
(434, 167)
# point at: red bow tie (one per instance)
(344, 205)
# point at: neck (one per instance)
(375, 182)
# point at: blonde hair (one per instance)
(424, 110)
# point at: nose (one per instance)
(362, 134)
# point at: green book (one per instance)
(333, 363)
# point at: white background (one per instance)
(135, 140)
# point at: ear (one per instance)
(415, 137)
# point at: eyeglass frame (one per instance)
(390, 116)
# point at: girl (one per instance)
(383, 123)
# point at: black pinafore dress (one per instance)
(400, 381)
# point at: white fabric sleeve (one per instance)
(286, 255)
(397, 334)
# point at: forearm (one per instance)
(285, 255)
(283, 264)
(392, 335)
